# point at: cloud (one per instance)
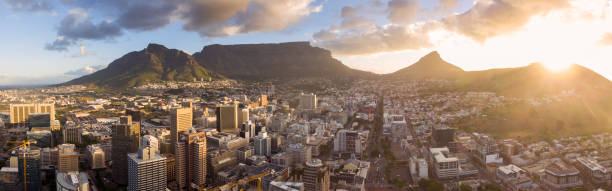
(351, 18)
(85, 70)
(606, 39)
(29, 5)
(209, 18)
(490, 18)
(380, 39)
(403, 11)
(409, 29)
(78, 26)
(148, 15)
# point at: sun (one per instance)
(557, 66)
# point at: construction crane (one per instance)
(25, 144)
(257, 177)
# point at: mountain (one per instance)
(292, 60)
(153, 64)
(430, 66)
(532, 80)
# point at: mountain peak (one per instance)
(152, 47)
(432, 54)
(429, 66)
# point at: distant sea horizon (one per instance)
(11, 87)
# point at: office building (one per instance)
(591, 169)
(513, 177)
(150, 140)
(135, 113)
(299, 153)
(226, 141)
(125, 139)
(243, 115)
(444, 166)
(20, 113)
(487, 151)
(219, 160)
(96, 156)
(316, 176)
(71, 133)
(308, 101)
(56, 132)
(72, 181)
(9, 178)
(347, 141)
(48, 158)
(263, 144)
(559, 175)
(190, 159)
(32, 168)
(68, 158)
(443, 136)
(147, 169)
(227, 118)
(181, 120)
(247, 130)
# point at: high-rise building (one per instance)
(263, 143)
(20, 113)
(150, 140)
(71, 133)
(347, 141)
(243, 115)
(247, 130)
(95, 155)
(32, 168)
(48, 157)
(444, 165)
(190, 160)
(146, 169)
(308, 101)
(135, 113)
(316, 176)
(181, 121)
(227, 118)
(299, 153)
(125, 139)
(68, 158)
(443, 136)
(56, 132)
(263, 100)
(72, 181)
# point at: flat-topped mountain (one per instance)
(153, 64)
(292, 60)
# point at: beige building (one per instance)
(190, 160)
(181, 121)
(68, 158)
(227, 118)
(308, 101)
(316, 176)
(146, 170)
(95, 155)
(19, 113)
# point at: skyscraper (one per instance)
(125, 139)
(68, 158)
(32, 168)
(190, 160)
(263, 143)
(182, 120)
(243, 115)
(71, 133)
(95, 155)
(227, 118)
(147, 168)
(316, 176)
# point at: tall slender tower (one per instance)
(126, 139)
(182, 120)
(263, 143)
(190, 160)
(32, 168)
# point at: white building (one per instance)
(263, 143)
(146, 170)
(72, 181)
(444, 166)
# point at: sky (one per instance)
(51, 41)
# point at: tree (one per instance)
(464, 187)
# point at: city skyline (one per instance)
(67, 39)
